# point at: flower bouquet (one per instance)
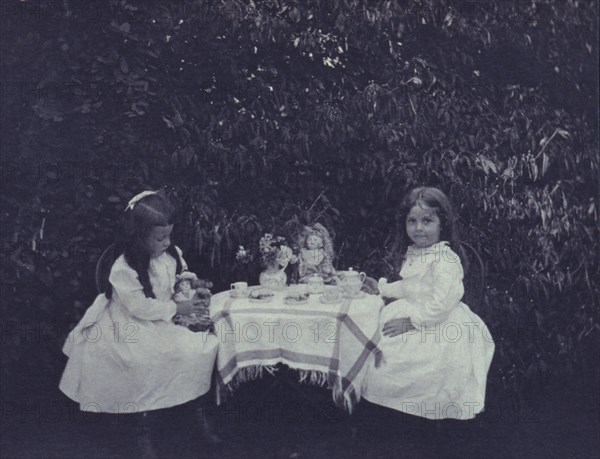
(274, 251)
(275, 255)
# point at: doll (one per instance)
(316, 253)
(184, 291)
(189, 287)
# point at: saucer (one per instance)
(295, 300)
(360, 294)
(265, 299)
(233, 294)
(324, 300)
(261, 296)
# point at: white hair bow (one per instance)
(137, 197)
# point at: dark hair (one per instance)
(439, 202)
(148, 212)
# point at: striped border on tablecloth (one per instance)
(344, 392)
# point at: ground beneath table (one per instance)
(271, 419)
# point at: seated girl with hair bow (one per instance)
(126, 355)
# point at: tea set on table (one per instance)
(343, 285)
(317, 276)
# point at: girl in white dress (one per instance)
(436, 351)
(126, 355)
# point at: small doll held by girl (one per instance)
(436, 351)
(189, 287)
(126, 355)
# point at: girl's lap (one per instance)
(177, 342)
(423, 354)
(144, 344)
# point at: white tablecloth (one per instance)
(329, 343)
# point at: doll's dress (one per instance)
(198, 321)
(126, 355)
(440, 369)
(322, 267)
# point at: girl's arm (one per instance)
(184, 266)
(126, 285)
(391, 290)
(446, 290)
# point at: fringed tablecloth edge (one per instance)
(315, 377)
(249, 373)
(347, 400)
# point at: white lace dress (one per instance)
(440, 369)
(126, 355)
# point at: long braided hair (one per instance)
(439, 202)
(148, 212)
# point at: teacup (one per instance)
(333, 293)
(239, 288)
(315, 284)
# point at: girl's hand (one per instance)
(370, 286)
(397, 327)
(203, 292)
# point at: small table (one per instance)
(328, 343)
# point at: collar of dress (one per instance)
(414, 250)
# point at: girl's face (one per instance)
(423, 226)
(159, 240)
(314, 242)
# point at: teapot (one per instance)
(351, 281)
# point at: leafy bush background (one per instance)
(260, 115)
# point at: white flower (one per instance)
(285, 254)
(242, 255)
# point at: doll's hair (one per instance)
(321, 231)
(439, 202)
(138, 222)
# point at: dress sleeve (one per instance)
(128, 288)
(392, 289)
(444, 292)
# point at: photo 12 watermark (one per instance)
(61, 173)
(280, 331)
(66, 93)
(132, 333)
(57, 12)
(279, 172)
(269, 332)
(488, 413)
(274, 412)
(54, 332)
(61, 412)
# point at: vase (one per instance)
(273, 277)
